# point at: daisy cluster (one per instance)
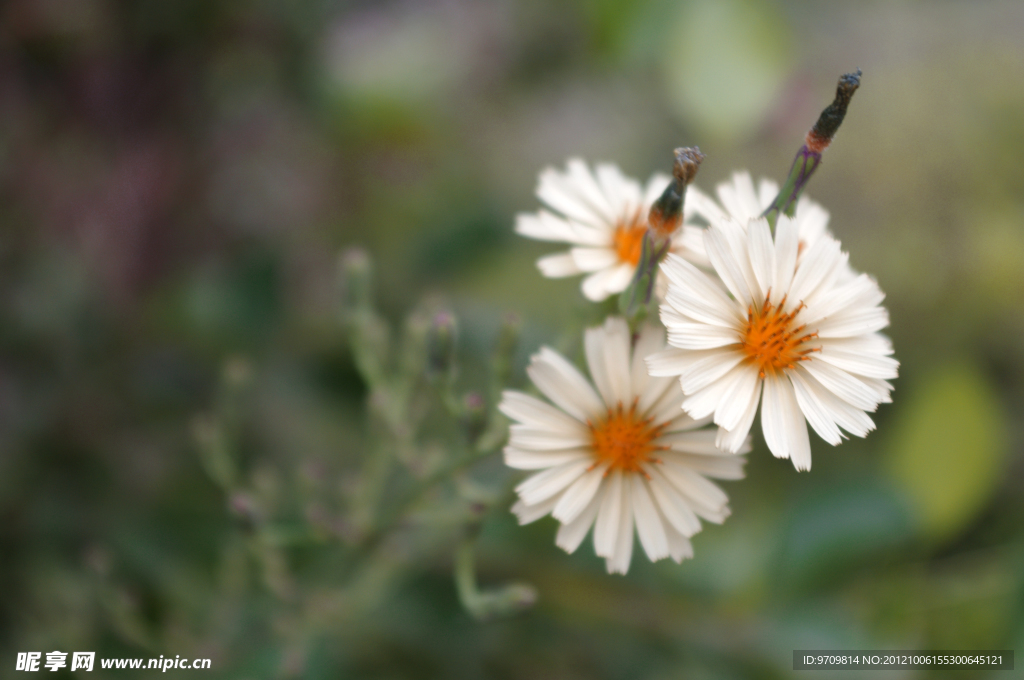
(749, 317)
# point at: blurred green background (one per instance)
(177, 178)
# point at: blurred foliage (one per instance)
(177, 179)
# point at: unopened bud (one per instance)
(831, 118)
(355, 273)
(808, 157)
(505, 349)
(474, 415)
(441, 340)
(667, 212)
(244, 507)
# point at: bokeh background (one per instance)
(177, 179)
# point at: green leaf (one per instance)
(838, 530)
(725, 62)
(948, 448)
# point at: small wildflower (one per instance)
(620, 456)
(794, 337)
(604, 215)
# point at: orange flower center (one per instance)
(624, 440)
(771, 341)
(629, 238)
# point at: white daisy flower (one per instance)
(793, 336)
(604, 215)
(620, 456)
(742, 202)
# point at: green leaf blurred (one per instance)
(948, 448)
(725, 63)
(834, 531)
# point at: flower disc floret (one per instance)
(624, 441)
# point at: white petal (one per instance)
(706, 499)
(544, 226)
(648, 522)
(709, 369)
(575, 199)
(600, 285)
(697, 295)
(817, 268)
(796, 427)
(733, 403)
(560, 382)
(816, 413)
(787, 245)
(571, 535)
(668, 408)
(623, 193)
(594, 259)
(534, 439)
(607, 350)
(859, 322)
(727, 261)
(699, 203)
(767, 190)
(813, 220)
(651, 340)
(785, 431)
(843, 385)
(618, 561)
(588, 188)
(546, 484)
(850, 418)
(558, 266)
(739, 197)
(533, 412)
(727, 466)
(679, 546)
(700, 336)
(882, 367)
(851, 297)
(762, 254)
(606, 530)
(684, 423)
(672, 504)
(578, 496)
(703, 402)
(539, 460)
(688, 243)
(527, 514)
(699, 441)
(672, 362)
(735, 440)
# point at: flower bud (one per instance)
(441, 339)
(356, 274)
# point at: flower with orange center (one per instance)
(602, 464)
(815, 356)
(604, 215)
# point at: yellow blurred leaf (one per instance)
(948, 448)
